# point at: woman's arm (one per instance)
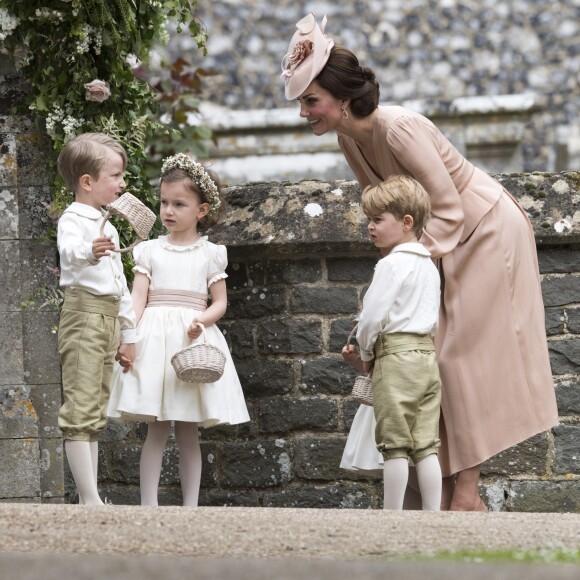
(421, 149)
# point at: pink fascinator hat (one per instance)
(308, 52)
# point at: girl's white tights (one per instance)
(396, 476)
(187, 438)
(82, 458)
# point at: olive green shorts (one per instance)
(88, 337)
(406, 396)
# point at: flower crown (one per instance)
(197, 174)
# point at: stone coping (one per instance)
(222, 119)
(272, 218)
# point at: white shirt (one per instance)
(403, 297)
(78, 226)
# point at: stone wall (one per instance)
(31, 461)
(299, 264)
(428, 51)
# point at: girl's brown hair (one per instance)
(176, 174)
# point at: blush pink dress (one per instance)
(497, 387)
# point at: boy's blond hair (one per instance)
(400, 195)
(86, 154)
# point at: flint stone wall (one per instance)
(431, 51)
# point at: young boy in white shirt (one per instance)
(97, 321)
(395, 329)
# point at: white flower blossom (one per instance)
(48, 14)
(83, 44)
(8, 23)
(70, 125)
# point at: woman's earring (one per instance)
(344, 113)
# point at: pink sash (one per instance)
(181, 298)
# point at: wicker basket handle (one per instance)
(352, 333)
(106, 218)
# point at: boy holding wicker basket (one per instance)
(97, 318)
(395, 334)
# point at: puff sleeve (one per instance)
(142, 257)
(218, 261)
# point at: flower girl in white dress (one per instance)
(173, 275)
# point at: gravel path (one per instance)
(274, 532)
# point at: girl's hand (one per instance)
(351, 354)
(125, 356)
(195, 329)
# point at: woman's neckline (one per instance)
(366, 132)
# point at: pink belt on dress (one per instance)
(181, 298)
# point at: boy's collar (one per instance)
(412, 248)
(84, 210)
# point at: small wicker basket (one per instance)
(139, 216)
(362, 391)
(199, 363)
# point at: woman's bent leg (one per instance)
(448, 484)
(466, 492)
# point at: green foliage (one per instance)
(177, 96)
(59, 46)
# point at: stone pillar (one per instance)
(31, 459)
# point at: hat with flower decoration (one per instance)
(307, 54)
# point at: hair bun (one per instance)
(368, 74)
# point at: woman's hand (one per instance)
(195, 329)
(351, 354)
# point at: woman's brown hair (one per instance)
(344, 78)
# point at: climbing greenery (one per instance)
(82, 60)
